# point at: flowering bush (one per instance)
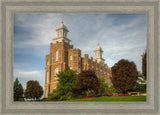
(90, 96)
(106, 94)
(124, 95)
(111, 94)
(115, 94)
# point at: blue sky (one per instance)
(119, 35)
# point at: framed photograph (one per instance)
(79, 57)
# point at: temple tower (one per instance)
(98, 54)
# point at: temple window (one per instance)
(70, 57)
(79, 70)
(56, 55)
(47, 79)
(55, 73)
(47, 62)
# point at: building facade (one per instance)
(63, 55)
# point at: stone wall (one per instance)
(68, 56)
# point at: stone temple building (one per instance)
(63, 55)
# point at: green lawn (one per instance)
(113, 98)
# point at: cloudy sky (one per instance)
(119, 35)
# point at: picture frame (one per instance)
(9, 7)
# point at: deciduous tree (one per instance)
(87, 80)
(124, 75)
(33, 90)
(103, 86)
(66, 82)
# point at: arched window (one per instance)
(47, 62)
(58, 33)
(47, 79)
(55, 73)
(56, 55)
(61, 33)
(70, 57)
(79, 70)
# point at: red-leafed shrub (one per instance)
(124, 75)
(87, 80)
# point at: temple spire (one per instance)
(62, 20)
(62, 32)
(98, 53)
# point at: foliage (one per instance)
(66, 82)
(77, 92)
(144, 64)
(90, 92)
(140, 85)
(111, 89)
(124, 75)
(141, 79)
(103, 86)
(87, 80)
(33, 91)
(18, 90)
(21, 99)
(140, 88)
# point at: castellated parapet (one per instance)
(63, 55)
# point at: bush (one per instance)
(65, 85)
(112, 89)
(21, 99)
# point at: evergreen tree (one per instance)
(144, 64)
(18, 90)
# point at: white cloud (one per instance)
(43, 29)
(25, 76)
(117, 40)
(28, 74)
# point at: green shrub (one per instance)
(66, 83)
(112, 89)
(21, 99)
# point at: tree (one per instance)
(141, 84)
(87, 80)
(33, 90)
(18, 90)
(124, 75)
(66, 82)
(144, 64)
(103, 87)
